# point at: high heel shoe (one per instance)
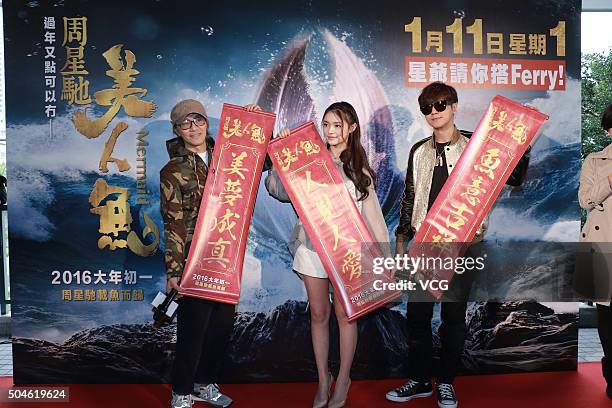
(323, 403)
(340, 404)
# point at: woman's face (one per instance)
(336, 131)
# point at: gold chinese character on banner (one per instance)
(443, 235)
(231, 192)
(518, 44)
(90, 295)
(114, 215)
(325, 207)
(519, 133)
(75, 64)
(236, 167)
(498, 124)
(226, 223)
(218, 252)
(309, 148)
(120, 95)
(75, 92)
(137, 295)
(473, 190)
(66, 294)
(289, 157)
(443, 247)
(113, 295)
(115, 219)
(495, 43)
(351, 264)
(75, 89)
(311, 184)
(489, 162)
(234, 130)
(75, 30)
(459, 218)
(78, 295)
(256, 133)
(102, 294)
(109, 147)
(537, 44)
(338, 237)
(434, 41)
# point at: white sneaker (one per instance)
(181, 401)
(211, 394)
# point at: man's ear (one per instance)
(454, 107)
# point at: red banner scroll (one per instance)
(214, 266)
(501, 138)
(331, 219)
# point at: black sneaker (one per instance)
(446, 396)
(412, 389)
(211, 394)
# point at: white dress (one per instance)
(307, 261)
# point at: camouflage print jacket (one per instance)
(182, 183)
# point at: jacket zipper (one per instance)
(195, 170)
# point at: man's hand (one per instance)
(401, 248)
(401, 245)
(251, 107)
(173, 283)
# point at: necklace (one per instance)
(440, 152)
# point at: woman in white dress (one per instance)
(341, 130)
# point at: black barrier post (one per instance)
(4, 300)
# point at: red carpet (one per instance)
(584, 388)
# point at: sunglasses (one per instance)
(439, 105)
(188, 123)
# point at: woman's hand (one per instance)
(251, 107)
(283, 133)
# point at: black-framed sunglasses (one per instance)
(188, 123)
(439, 105)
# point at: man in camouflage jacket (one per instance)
(182, 182)
(203, 326)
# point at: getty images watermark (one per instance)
(406, 266)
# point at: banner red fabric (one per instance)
(498, 143)
(331, 219)
(214, 266)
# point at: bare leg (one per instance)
(320, 309)
(348, 343)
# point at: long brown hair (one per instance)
(354, 158)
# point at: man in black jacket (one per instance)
(430, 162)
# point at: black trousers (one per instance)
(452, 330)
(604, 326)
(452, 334)
(203, 330)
